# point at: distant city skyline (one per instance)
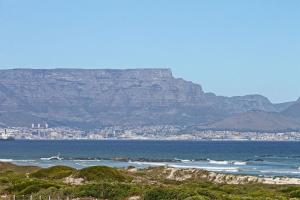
(230, 47)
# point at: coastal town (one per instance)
(158, 132)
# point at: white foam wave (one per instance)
(147, 163)
(219, 162)
(239, 163)
(13, 160)
(23, 160)
(45, 158)
(295, 172)
(51, 158)
(224, 162)
(279, 172)
(183, 160)
(6, 160)
(79, 160)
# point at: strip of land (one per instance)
(157, 183)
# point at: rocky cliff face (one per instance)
(95, 97)
(240, 104)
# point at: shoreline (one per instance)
(191, 174)
(228, 167)
(278, 159)
(224, 178)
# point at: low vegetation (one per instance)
(56, 172)
(101, 173)
(130, 184)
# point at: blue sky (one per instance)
(229, 47)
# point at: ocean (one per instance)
(235, 157)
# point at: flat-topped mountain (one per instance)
(91, 98)
(95, 97)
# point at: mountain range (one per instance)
(94, 98)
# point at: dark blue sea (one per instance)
(236, 157)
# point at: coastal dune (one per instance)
(159, 183)
(186, 174)
(178, 174)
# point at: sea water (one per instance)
(236, 157)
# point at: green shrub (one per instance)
(101, 173)
(54, 192)
(56, 172)
(29, 187)
(4, 180)
(34, 188)
(4, 167)
(289, 189)
(198, 197)
(106, 190)
(161, 194)
(295, 194)
(209, 193)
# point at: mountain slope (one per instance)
(240, 104)
(257, 121)
(91, 98)
(96, 98)
(293, 111)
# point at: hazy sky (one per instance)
(229, 47)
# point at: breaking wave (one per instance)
(147, 163)
(224, 162)
(239, 163)
(219, 162)
(6, 160)
(14, 160)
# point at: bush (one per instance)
(54, 192)
(198, 197)
(161, 194)
(34, 188)
(101, 173)
(106, 191)
(29, 187)
(56, 172)
(295, 194)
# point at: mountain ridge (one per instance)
(268, 122)
(92, 98)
